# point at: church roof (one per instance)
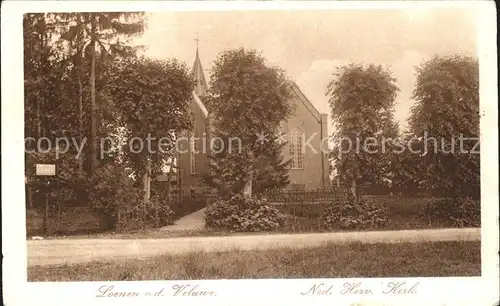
(200, 104)
(302, 97)
(201, 87)
(198, 73)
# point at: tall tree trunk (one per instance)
(38, 102)
(146, 181)
(169, 177)
(354, 190)
(247, 190)
(149, 179)
(38, 119)
(30, 195)
(46, 215)
(80, 45)
(80, 116)
(95, 113)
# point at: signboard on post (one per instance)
(45, 169)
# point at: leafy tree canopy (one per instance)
(152, 97)
(362, 99)
(445, 118)
(247, 98)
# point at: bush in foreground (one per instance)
(156, 213)
(349, 214)
(112, 189)
(458, 212)
(164, 216)
(238, 214)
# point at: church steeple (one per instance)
(201, 85)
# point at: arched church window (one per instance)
(297, 149)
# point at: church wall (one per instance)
(315, 173)
(187, 178)
(312, 175)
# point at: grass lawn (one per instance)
(431, 259)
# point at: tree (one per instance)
(445, 117)
(153, 99)
(57, 72)
(271, 168)
(103, 32)
(58, 61)
(45, 79)
(407, 164)
(242, 86)
(48, 111)
(36, 54)
(226, 175)
(225, 172)
(362, 99)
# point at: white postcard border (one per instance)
(434, 291)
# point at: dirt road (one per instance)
(67, 251)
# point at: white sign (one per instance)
(45, 169)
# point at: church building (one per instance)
(309, 166)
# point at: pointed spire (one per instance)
(201, 85)
(197, 41)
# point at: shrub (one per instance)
(112, 189)
(348, 214)
(165, 213)
(238, 214)
(457, 212)
(157, 213)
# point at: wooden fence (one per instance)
(301, 196)
(302, 208)
(132, 216)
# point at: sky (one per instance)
(309, 45)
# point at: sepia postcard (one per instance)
(250, 152)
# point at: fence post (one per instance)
(59, 214)
(46, 214)
(119, 215)
(156, 215)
